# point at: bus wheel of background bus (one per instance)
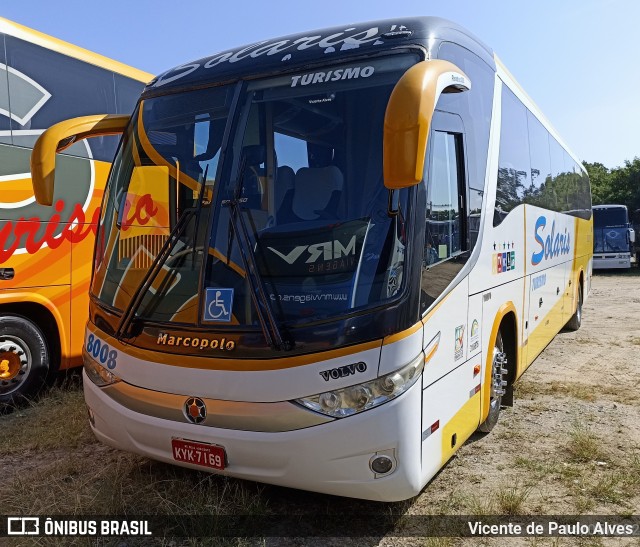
(575, 322)
(24, 359)
(498, 383)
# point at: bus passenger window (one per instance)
(445, 236)
(514, 163)
(443, 227)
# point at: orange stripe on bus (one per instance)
(403, 334)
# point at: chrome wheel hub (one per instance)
(498, 373)
(15, 363)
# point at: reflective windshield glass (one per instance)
(610, 229)
(161, 185)
(311, 197)
(287, 223)
(610, 217)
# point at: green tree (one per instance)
(618, 185)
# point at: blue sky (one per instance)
(577, 59)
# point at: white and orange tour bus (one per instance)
(45, 259)
(323, 260)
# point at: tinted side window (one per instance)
(578, 192)
(570, 201)
(585, 196)
(445, 240)
(475, 108)
(475, 212)
(540, 191)
(569, 190)
(557, 170)
(514, 167)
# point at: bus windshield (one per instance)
(610, 217)
(294, 208)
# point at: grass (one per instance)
(510, 499)
(529, 389)
(437, 542)
(583, 445)
(526, 465)
(583, 504)
(525, 388)
(58, 419)
(121, 483)
(607, 489)
(57, 467)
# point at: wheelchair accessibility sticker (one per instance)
(218, 304)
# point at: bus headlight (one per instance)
(99, 375)
(350, 400)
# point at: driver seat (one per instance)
(316, 192)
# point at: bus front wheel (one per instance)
(498, 383)
(24, 359)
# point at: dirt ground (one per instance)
(571, 443)
(569, 446)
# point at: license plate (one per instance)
(207, 455)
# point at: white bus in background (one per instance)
(613, 237)
(359, 239)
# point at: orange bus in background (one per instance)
(45, 256)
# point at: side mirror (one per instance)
(632, 235)
(408, 118)
(61, 136)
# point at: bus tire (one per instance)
(498, 383)
(575, 321)
(24, 359)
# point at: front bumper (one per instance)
(331, 458)
(610, 262)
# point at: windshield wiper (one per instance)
(258, 296)
(162, 257)
(194, 241)
(152, 272)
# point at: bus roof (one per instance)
(44, 40)
(609, 206)
(297, 51)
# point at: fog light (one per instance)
(381, 465)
